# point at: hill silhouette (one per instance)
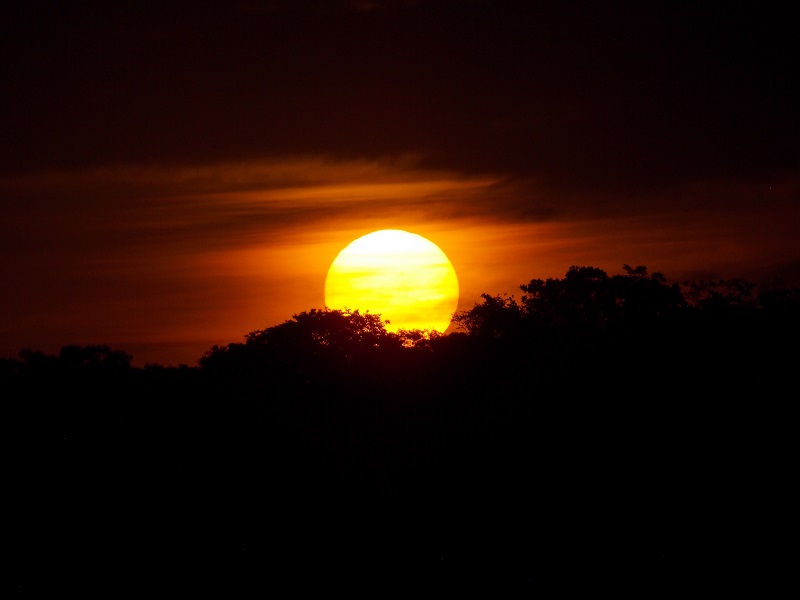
(597, 433)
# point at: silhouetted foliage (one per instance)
(596, 415)
(586, 298)
(495, 316)
(720, 295)
(314, 349)
(94, 357)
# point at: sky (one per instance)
(175, 175)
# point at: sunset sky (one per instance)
(174, 175)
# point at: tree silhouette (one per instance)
(94, 357)
(595, 421)
(314, 348)
(586, 298)
(493, 317)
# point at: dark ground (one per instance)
(648, 469)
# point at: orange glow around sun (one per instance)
(402, 276)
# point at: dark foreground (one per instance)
(640, 461)
(655, 493)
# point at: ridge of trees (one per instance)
(598, 408)
(586, 301)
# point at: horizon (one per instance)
(175, 175)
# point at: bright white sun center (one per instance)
(402, 276)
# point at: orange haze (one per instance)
(164, 263)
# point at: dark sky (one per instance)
(573, 118)
(594, 93)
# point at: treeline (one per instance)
(617, 417)
(556, 317)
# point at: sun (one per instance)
(402, 276)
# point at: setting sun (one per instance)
(402, 276)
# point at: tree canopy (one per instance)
(594, 415)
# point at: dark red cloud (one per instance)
(616, 94)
